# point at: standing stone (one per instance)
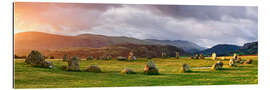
(214, 56)
(121, 58)
(73, 64)
(232, 63)
(222, 58)
(220, 63)
(248, 61)
(108, 57)
(93, 68)
(197, 56)
(127, 71)
(185, 68)
(89, 58)
(163, 55)
(131, 56)
(217, 66)
(235, 56)
(238, 60)
(151, 69)
(177, 55)
(105, 57)
(201, 56)
(65, 57)
(35, 58)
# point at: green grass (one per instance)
(27, 76)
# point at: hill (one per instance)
(88, 45)
(113, 50)
(186, 45)
(40, 40)
(221, 49)
(249, 49)
(225, 49)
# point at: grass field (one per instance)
(26, 76)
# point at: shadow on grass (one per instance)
(229, 68)
(199, 72)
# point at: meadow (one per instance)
(26, 76)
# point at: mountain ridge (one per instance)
(186, 45)
(250, 48)
(42, 40)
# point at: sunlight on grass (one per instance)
(34, 77)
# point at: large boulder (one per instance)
(151, 69)
(184, 68)
(35, 58)
(248, 61)
(232, 62)
(93, 68)
(127, 71)
(73, 64)
(217, 66)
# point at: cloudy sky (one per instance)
(203, 25)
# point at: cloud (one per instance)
(64, 18)
(144, 24)
(204, 25)
(207, 12)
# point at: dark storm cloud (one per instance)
(204, 25)
(206, 12)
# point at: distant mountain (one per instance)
(40, 40)
(221, 49)
(186, 45)
(249, 49)
(87, 45)
(225, 49)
